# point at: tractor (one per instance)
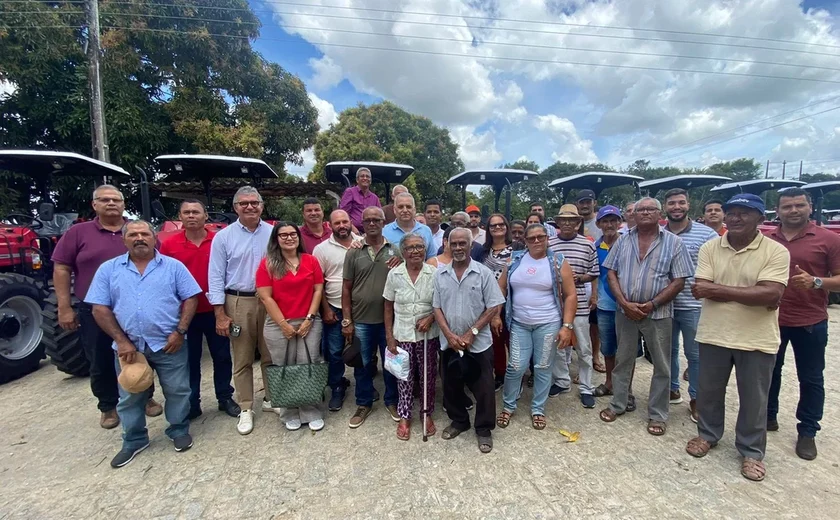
(498, 179)
(29, 328)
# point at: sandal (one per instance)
(607, 415)
(404, 430)
(752, 469)
(485, 444)
(602, 390)
(631, 403)
(503, 420)
(599, 367)
(538, 421)
(656, 428)
(699, 447)
(450, 432)
(431, 430)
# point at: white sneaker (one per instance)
(246, 422)
(316, 425)
(266, 407)
(293, 424)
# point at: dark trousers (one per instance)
(333, 346)
(203, 326)
(500, 346)
(753, 371)
(483, 389)
(809, 355)
(100, 356)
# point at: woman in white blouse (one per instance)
(408, 319)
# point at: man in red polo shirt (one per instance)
(314, 230)
(191, 246)
(803, 318)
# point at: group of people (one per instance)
(488, 304)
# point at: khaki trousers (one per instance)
(247, 312)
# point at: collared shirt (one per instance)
(354, 203)
(234, 258)
(606, 299)
(732, 324)
(83, 248)
(437, 238)
(693, 236)
(642, 279)
(393, 233)
(464, 301)
(817, 252)
(412, 301)
(310, 239)
(581, 255)
(195, 257)
(368, 270)
(147, 306)
(480, 238)
(330, 254)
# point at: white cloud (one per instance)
(6, 88)
(568, 145)
(477, 150)
(326, 112)
(308, 157)
(326, 73)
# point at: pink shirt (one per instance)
(354, 203)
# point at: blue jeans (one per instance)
(371, 336)
(809, 355)
(173, 371)
(685, 321)
(606, 331)
(333, 347)
(526, 342)
(204, 325)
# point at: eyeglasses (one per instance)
(536, 239)
(415, 248)
(373, 220)
(107, 200)
(646, 210)
(246, 203)
(500, 225)
(287, 236)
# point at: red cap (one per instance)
(473, 209)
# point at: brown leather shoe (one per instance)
(153, 408)
(693, 411)
(109, 420)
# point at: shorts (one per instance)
(593, 317)
(607, 333)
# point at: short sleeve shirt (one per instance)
(693, 236)
(195, 257)
(310, 240)
(464, 301)
(293, 292)
(735, 325)
(412, 301)
(393, 233)
(606, 300)
(84, 248)
(368, 270)
(581, 255)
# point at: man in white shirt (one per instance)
(479, 235)
(433, 213)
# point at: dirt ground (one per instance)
(54, 463)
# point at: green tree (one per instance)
(386, 133)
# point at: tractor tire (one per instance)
(63, 347)
(21, 348)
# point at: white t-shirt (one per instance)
(481, 237)
(533, 295)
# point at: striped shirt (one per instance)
(693, 236)
(496, 261)
(642, 279)
(583, 259)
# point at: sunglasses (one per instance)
(500, 225)
(373, 220)
(536, 239)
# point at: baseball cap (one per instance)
(135, 377)
(607, 210)
(746, 200)
(585, 194)
(568, 211)
(473, 209)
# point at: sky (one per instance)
(685, 84)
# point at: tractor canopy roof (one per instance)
(43, 163)
(499, 177)
(685, 182)
(191, 167)
(755, 186)
(388, 173)
(595, 181)
(818, 189)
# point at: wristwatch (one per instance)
(569, 326)
(182, 332)
(474, 331)
(309, 317)
(346, 323)
(817, 283)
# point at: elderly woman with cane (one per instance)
(408, 296)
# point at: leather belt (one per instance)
(246, 294)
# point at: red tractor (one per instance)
(28, 309)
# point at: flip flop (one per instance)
(607, 415)
(602, 390)
(631, 403)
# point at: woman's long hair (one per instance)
(488, 241)
(274, 260)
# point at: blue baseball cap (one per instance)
(746, 200)
(608, 210)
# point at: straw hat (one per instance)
(568, 211)
(135, 377)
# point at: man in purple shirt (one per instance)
(80, 252)
(356, 199)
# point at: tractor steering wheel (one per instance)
(217, 217)
(20, 219)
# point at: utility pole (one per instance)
(99, 134)
(767, 170)
(800, 171)
(784, 163)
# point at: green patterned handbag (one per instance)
(293, 386)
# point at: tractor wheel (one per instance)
(63, 346)
(21, 350)
(833, 298)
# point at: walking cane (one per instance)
(425, 411)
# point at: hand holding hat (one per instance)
(135, 377)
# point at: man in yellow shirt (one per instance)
(740, 277)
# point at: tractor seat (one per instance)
(59, 225)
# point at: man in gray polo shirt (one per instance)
(467, 297)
